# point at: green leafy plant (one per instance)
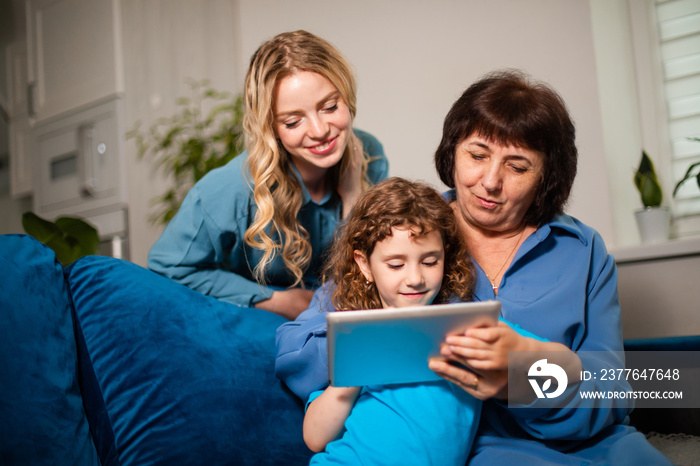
(190, 143)
(689, 174)
(647, 183)
(70, 238)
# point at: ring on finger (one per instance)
(475, 385)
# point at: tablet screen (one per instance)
(387, 346)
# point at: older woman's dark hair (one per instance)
(508, 108)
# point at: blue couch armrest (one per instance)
(672, 420)
(42, 421)
(682, 343)
(171, 376)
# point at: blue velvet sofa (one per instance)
(107, 363)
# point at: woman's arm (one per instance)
(193, 247)
(287, 303)
(326, 416)
(197, 245)
(592, 331)
(599, 347)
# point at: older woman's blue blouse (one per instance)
(203, 245)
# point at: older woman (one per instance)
(508, 152)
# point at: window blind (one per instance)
(679, 41)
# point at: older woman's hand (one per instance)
(481, 385)
(478, 360)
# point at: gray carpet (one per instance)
(681, 449)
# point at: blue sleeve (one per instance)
(193, 248)
(302, 355)
(600, 349)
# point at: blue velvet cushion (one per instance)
(42, 421)
(171, 376)
(680, 343)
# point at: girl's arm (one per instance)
(302, 355)
(326, 416)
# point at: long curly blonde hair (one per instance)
(276, 190)
(393, 203)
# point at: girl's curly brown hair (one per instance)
(396, 202)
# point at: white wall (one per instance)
(412, 59)
(659, 298)
(166, 43)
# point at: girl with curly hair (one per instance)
(398, 208)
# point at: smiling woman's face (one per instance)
(312, 121)
(495, 184)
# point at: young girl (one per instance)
(252, 232)
(399, 247)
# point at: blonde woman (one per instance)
(253, 232)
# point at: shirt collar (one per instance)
(562, 222)
(305, 192)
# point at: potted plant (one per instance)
(190, 143)
(70, 238)
(654, 220)
(689, 174)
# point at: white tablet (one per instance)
(387, 346)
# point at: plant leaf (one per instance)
(647, 183)
(688, 175)
(85, 235)
(205, 132)
(70, 238)
(650, 192)
(41, 229)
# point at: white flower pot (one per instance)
(654, 224)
